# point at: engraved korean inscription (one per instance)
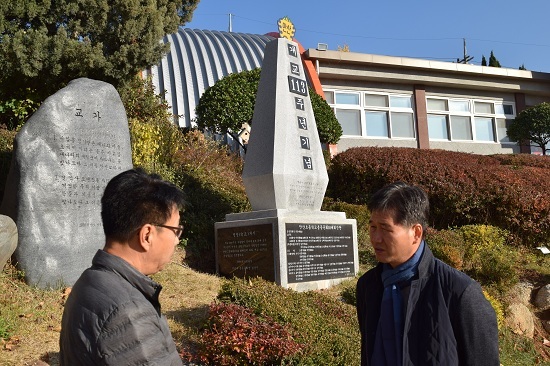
(319, 251)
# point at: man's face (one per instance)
(165, 242)
(393, 243)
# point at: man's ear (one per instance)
(145, 236)
(418, 233)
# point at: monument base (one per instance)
(301, 250)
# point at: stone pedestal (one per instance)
(295, 249)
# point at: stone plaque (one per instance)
(319, 251)
(246, 251)
(63, 158)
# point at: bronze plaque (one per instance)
(246, 251)
(319, 252)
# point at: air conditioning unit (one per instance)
(322, 46)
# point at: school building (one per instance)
(378, 100)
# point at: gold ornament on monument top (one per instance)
(286, 28)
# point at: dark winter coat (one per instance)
(112, 317)
(448, 321)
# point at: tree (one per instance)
(493, 60)
(522, 67)
(44, 44)
(532, 124)
(483, 60)
(229, 103)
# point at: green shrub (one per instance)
(328, 127)
(358, 212)
(6, 147)
(447, 245)
(361, 214)
(498, 307)
(225, 106)
(487, 258)
(326, 327)
(478, 250)
(349, 291)
(154, 137)
(210, 176)
(234, 335)
(14, 112)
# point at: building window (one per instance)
(377, 123)
(468, 119)
(375, 115)
(437, 127)
(350, 121)
(461, 128)
(347, 98)
(402, 125)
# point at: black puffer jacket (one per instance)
(112, 317)
(448, 321)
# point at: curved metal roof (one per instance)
(199, 58)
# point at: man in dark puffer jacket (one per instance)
(113, 316)
(414, 309)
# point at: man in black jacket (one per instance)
(412, 308)
(112, 316)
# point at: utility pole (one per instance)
(466, 58)
(230, 22)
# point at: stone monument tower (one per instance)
(286, 238)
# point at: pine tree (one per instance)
(483, 61)
(493, 61)
(45, 44)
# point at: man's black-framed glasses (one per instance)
(178, 230)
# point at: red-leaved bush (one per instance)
(506, 191)
(236, 336)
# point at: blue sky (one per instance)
(518, 32)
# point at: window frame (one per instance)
(363, 108)
(472, 115)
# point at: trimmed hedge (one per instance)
(326, 327)
(507, 192)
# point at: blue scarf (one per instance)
(388, 345)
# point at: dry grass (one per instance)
(33, 316)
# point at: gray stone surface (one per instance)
(64, 156)
(284, 166)
(521, 293)
(8, 238)
(520, 320)
(542, 298)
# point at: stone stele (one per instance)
(284, 166)
(64, 156)
(8, 238)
